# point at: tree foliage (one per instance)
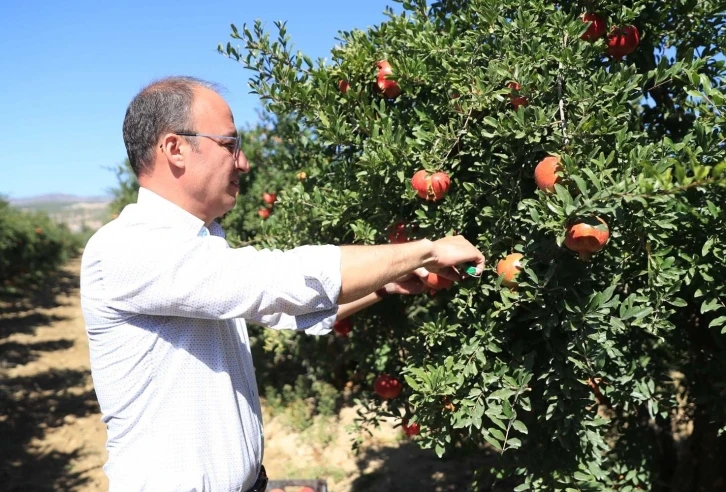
(31, 246)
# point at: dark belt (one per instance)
(261, 483)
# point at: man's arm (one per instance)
(365, 269)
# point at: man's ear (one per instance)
(173, 147)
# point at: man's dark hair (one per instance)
(163, 106)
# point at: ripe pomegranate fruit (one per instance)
(343, 327)
(410, 430)
(269, 198)
(263, 213)
(587, 236)
(419, 182)
(437, 282)
(343, 86)
(597, 27)
(545, 174)
(510, 267)
(389, 88)
(431, 186)
(440, 183)
(387, 386)
(622, 41)
(516, 99)
(398, 233)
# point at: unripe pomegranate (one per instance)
(622, 41)
(545, 174)
(516, 99)
(510, 267)
(587, 236)
(597, 27)
(387, 387)
(343, 327)
(301, 175)
(389, 88)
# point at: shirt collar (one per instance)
(174, 214)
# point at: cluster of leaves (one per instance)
(126, 190)
(574, 371)
(31, 245)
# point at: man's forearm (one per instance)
(345, 310)
(365, 269)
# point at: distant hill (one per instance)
(77, 212)
(57, 198)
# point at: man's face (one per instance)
(212, 173)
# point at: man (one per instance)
(165, 300)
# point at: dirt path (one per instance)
(53, 439)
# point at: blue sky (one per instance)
(69, 70)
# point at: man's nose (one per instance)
(242, 164)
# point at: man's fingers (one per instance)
(449, 273)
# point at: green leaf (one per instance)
(519, 426)
(496, 433)
(707, 247)
(493, 442)
(709, 305)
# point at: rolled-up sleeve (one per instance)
(202, 277)
(324, 275)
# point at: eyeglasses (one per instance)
(237, 140)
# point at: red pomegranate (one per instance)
(597, 27)
(419, 182)
(437, 282)
(410, 429)
(387, 386)
(389, 88)
(514, 96)
(510, 267)
(398, 233)
(439, 187)
(263, 213)
(343, 86)
(343, 327)
(431, 186)
(269, 198)
(622, 41)
(587, 236)
(545, 174)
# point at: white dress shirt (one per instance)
(164, 301)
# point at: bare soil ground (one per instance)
(52, 437)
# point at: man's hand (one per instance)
(450, 251)
(407, 285)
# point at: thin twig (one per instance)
(563, 121)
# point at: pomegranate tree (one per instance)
(635, 115)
